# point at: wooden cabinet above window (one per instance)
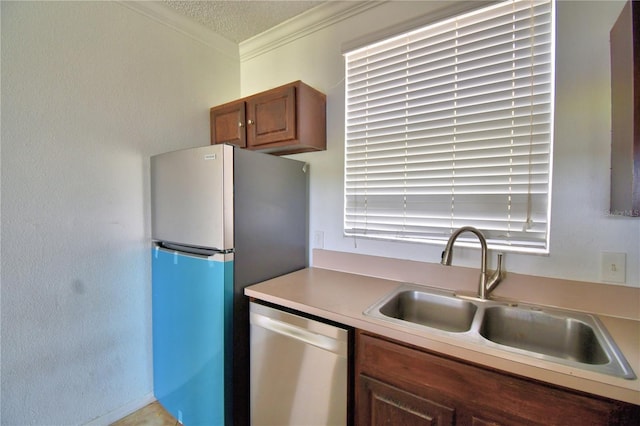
(286, 120)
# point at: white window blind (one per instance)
(451, 125)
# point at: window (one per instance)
(451, 125)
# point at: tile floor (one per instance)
(151, 415)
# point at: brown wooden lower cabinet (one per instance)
(397, 384)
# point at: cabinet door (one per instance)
(625, 112)
(228, 124)
(271, 116)
(382, 404)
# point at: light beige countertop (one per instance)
(343, 297)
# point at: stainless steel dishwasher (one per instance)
(299, 369)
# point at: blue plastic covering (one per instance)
(192, 308)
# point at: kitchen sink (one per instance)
(573, 339)
(431, 310)
(561, 336)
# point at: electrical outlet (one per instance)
(318, 239)
(614, 267)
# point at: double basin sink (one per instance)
(570, 338)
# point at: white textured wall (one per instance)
(89, 91)
(580, 226)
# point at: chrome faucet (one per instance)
(486, 285)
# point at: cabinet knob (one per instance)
(240, 124)
(250, 122)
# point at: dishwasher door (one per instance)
(299, 370)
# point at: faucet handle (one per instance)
(495, 278)
(499, 265)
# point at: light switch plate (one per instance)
(613, 267)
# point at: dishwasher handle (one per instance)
(321, 341)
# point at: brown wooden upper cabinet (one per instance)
(625, 112)
(289, 119)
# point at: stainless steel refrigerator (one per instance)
(222, 218)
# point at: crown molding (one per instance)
(320, 17)
(166, 16)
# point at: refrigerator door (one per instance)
(192, 197)
(192, 298)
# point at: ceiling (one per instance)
(239, 20)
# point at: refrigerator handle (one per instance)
(188, 250)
